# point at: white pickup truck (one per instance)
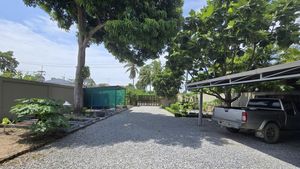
(266, 116)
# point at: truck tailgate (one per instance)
(228, 117)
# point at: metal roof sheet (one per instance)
(285, 68)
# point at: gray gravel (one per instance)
(149, 137)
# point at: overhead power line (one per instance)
(73, 66)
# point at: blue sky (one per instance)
(37, 42)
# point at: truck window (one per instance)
(288, 107)
(264, 103)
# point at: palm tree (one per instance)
(145, 76)
(132, 69)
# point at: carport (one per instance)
(277, 72)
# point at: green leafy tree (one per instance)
(86, 75)
(132, 94)
(33, 77)
(89, 82)
(139, 85)
(27, 76)
(7, 62)
(144, 77)
(133, 70)
(148, 73)
(289, 55)
(166, 84)
(228, 37)
(131, 30)
(47, 111)
(156, 68)
(15, 75)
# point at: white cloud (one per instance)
(44, 25)
(35, 42)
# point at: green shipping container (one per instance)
(104, 97)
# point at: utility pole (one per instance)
(41, 74)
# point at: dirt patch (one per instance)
(17, 141)
(13, 141)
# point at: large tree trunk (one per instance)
(83, 39)
(228, 97)
(78, 90)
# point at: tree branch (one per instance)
(252, 56)
(214, 94)
(92, 32)
(235, 98)
(190, 74)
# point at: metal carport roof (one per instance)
(277, 72)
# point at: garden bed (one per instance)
(18, 139)
(11, 142)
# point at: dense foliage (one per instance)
(8, 65)
(147, 74)
(131, 30)
(161, 78)
(19, 75)
(47, 111)
(210, 105)
(180, 109)
(132, 94)
(232, 36)
(7, 62)
(166, 84)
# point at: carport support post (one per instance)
(200, 108)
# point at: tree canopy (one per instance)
(26, 76)
(7, 62)
(166, 84)
(227, 37)
(144, 78)
(131, 30)
(147, 74)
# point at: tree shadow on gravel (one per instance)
(141, 127)
(287, 149)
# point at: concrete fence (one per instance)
(12, 89)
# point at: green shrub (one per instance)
(186, 107)
(5, 122)
(67, 109)
(47, 111)
(170, 110)
(209, 106)
(176, 106)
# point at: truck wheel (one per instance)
(271, 133)
(232, 130)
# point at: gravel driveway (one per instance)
(149, 137)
